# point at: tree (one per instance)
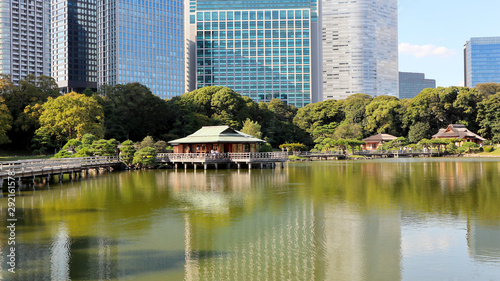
(418, 131)
(355, 108)
(127, 151)
(318, 114)
(293, 146)
(72, 116)
(148, 141)
(161, 146)
(88, 139)
(384, 115)
(24, 102)
(132, 112)
(104, 147)
(146, 157)
(5, 122)
(488, 118)
(348, 131)
(488, 89)
(251, 128)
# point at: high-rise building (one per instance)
(360, 48)
(411, 84)
(141, 41)
(482, 61)
(262, 49)
(74, 44)
(24, 38)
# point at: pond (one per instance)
(390, 219)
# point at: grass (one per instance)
(495, 152)
(294, 157)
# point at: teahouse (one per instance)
(376, 141)
(458, 131)
(216, 139)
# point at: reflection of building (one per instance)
(362, 246)
(482, 61)
(360, 48)
(483, 241)
(261, 49)
(411, 84)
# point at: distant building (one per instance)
(376, 141)
(360, 48)
(141, 41)
(411, 84)
(482, 61)
(24, 38)
(259, 48)
(74, 44)
(458, 131)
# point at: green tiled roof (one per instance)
(215, 134)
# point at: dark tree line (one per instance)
(132, 112)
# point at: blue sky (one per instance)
(432, 34)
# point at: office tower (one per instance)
(24, 38)
(482, 61)
(360, 48)
(74, 44)
(411, 84)
(141, 41)
(260, 48)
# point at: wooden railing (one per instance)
(40, 165)
(223, 157)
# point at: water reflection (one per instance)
(337, 220)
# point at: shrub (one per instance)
(266, 148)
(63, 153)
(145, 157)
(488, 148)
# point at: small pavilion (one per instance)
(376, 141)
(216, 139)
(458, 131)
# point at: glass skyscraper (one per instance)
(24, 38)
(260, 48)
(74, 44)
(411, 84)
(482, 61)
(360, 48)
(141, 41)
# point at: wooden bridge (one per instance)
(333, 155)
(400, 153)
(247, 159)
(47, 168)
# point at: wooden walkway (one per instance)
(228, 160)
(49, 167)
(397, 154)
(323, 155)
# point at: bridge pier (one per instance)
(185, 166)
(61, 177)
(205, 166)
(216, 166)
(175, 166)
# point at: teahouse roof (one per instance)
(215, 134)
(456, 131)
(379, 138)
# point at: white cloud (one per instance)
(420, 51)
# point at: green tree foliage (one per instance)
(418, 131)
(24, 102)
(148, 141)
(489, 118)
(72, 145)
(43, 142)
(127, 151)
(160, 146)
(488, 89)
(5, 122)
(146, 157)
(132, 112)
(315, 115)
(468, 147)
(384, 115)
(355, 108)
(104, 147)
(348, 131)
(72, 116)
(398, 143)
(88, 139)
(251, 128)
(293, 146)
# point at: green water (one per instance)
(395, 219)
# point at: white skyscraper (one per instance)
(360, 48)
(24, 38)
